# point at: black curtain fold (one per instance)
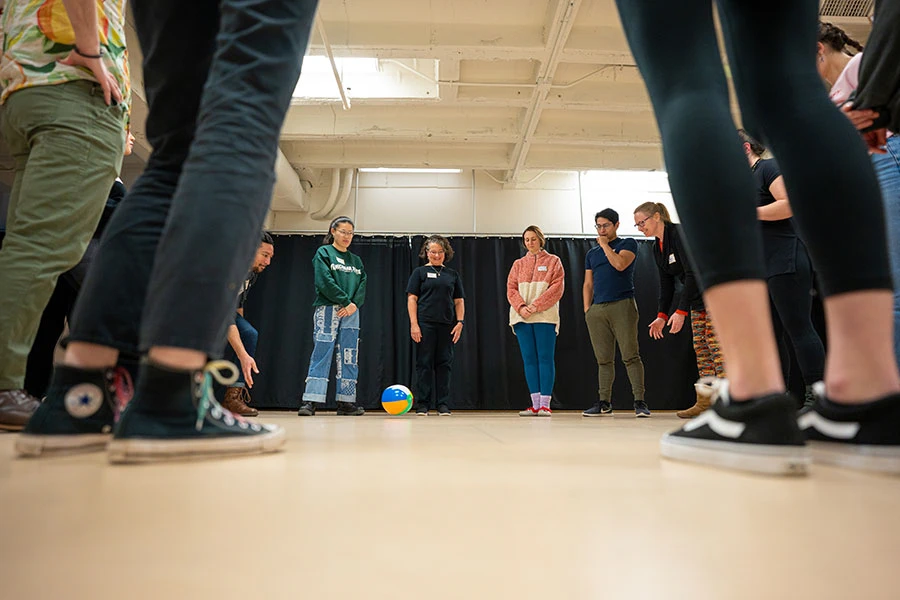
(487, 369)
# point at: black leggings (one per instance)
(792, 301)
(771, 48)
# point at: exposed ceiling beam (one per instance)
(561, 25)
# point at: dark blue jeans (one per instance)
(218, 76)
(249, 337)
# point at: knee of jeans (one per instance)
(326, 335)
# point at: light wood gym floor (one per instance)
(477, 505)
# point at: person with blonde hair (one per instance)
(533, 288)
(671, 257)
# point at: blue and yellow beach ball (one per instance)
(397, 399)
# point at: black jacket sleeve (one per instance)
(691, 287)
(879, 72)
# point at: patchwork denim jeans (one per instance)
(331, 332)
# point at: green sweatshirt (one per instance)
(340, 277)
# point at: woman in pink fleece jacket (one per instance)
(533, 288)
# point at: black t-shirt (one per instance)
(779, 237)
(436, 288)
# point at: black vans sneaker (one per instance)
(350, 409)
(857, 436)
(759, 435)
(78, 413)
(174, 415)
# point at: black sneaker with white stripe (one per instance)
(857, 436)
(759, 435)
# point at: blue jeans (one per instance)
(219, 76)
(537, 341)
(887, 168)
(331, 331)
(249, 337)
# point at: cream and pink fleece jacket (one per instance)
(536, 279)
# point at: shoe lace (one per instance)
(123, 388)
(207, 403)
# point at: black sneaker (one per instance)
(307, 409)
(350, 409)
(641, 410)
(78, 413)
(601, 409)
(859, 436)
(174, 415)
(443, 410)
(422, 411)
(759, 435)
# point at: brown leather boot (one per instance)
(704, 401)
(234, 402)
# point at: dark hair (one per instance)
(837, 39)
(442, 242)
(536, 231)
(329, 237)
(266, 238)
(651, 208)
(755, 147)
(609, 214)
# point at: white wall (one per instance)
(560, 202)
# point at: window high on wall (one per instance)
(623, 191)
(367, 78)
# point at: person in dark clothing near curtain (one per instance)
(855, 421)
(340, 291)
(789, 275)
(671, 257)
(436, 306)
(242, 337)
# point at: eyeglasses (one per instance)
(435, 252)
(343, 232)
(602, 226)
(640, 223)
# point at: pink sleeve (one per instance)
(512, 288)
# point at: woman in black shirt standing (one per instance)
(788, 269)
(436, 311)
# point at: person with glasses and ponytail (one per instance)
(670, 253)
(340, 291)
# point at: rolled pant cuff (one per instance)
(317, 398)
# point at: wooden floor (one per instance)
(477, 505)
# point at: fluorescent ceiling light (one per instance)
(390, 170)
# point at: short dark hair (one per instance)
(609, 214)
(439, 240)
(266, 238)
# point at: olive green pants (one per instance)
(67, 145)
(610, 323)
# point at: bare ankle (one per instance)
(84, 355)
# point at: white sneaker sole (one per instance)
(883, 459)
(756, 458)
(142, 450)
(29, 444)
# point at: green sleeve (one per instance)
(360, 296)
(326, 284)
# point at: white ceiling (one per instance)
(519, 85)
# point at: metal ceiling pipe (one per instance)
(320, 27)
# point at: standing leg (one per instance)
(525, 335)
(709, 363)
(603, 341)
(325, 324)
(545, 340)
(443, 366)
(425, 358)
(348, 366)
(624, 320)
(887, 168)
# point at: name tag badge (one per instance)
(340, 260)
(542, 268)
(432, 275)
(672, 259)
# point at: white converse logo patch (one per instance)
(83, 400)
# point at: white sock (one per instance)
(535, 401)
(545, 401)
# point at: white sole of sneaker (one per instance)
(144, 450)
(642, 416)
(756, 458)
(882, 459)
(28, 444)
(609, 414)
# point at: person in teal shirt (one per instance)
(340, 291)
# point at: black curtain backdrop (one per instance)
(487, 369)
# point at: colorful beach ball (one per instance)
(397, 399)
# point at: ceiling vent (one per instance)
(847, 8)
